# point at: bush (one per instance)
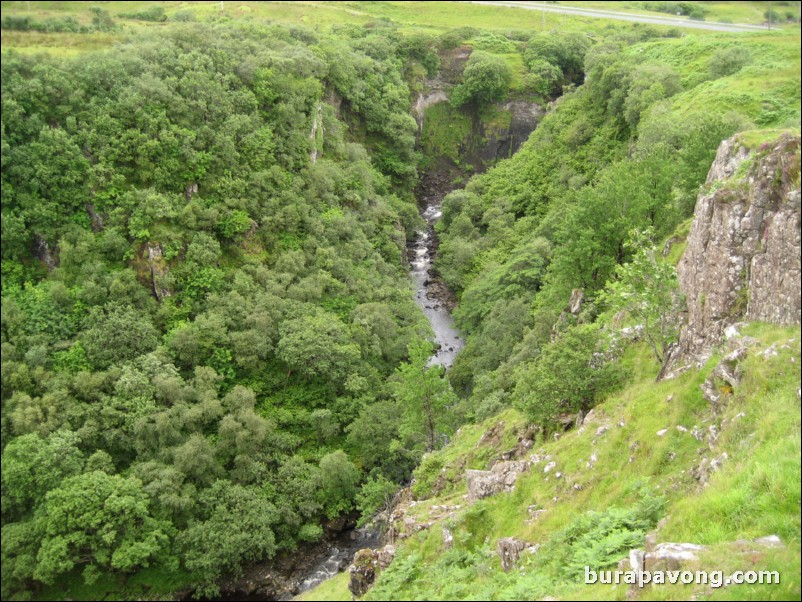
(153, 13)
(493, 42)
(184, 16)
(599, 539)
(728, 61)
(376, 495)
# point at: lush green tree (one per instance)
(544, 79)
(646, 288)
(338, 483)
(565, 51)
(117, 333)
(375, 434)
(571, 374)
(317, 346)
(32, 466)
(485, 79)
(99, 522)
(425, 395)
(375, 496)
(234, 525)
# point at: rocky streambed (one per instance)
(431, 294)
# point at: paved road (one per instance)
(618, 16)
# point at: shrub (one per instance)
(728, 61)
(571, 374)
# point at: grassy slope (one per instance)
(756, 493)
(767, 88)
(434, 17)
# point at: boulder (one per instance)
(671, 557)
(366, 565)
(500, 478)
(362, 572)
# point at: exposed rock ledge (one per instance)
(742, 261)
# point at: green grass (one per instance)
(432, 17)
(766, 90)
(753, 139)
(756, 493)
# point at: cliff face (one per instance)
(742, 261)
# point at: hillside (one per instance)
(707, 458)
(284, 280)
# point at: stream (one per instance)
(324, 560)
(431, 294)
(340, 556)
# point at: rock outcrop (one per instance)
(44, 253)
(159, 272)
(509, 551)
(499, 479)
(366, 566)
(742, 260)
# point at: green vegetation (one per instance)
(486, 79)
(618, 478)
(210, 349)
(647, 290)
(196, 310)
(626, 150)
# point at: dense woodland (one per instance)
(209, 408)
(210, 348)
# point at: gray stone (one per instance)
(366, 565)
(671, 556)
(500, 478)
(159, 273)
(770, 541)
(509, 551)
(575, 302)
(362, 572)
(742, 260)
(725, 377)
(448, 537)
